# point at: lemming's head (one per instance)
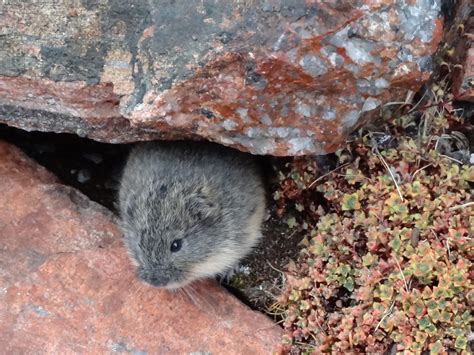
(176, 236)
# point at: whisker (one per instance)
(200, 297)
(180, 292)
(189, 296)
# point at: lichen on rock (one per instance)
(225, 72)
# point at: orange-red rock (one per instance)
(66, 285)
(273, 77)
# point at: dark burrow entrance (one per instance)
(94, 169)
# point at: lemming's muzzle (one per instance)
(158, 277)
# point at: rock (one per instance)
(66, 285)
(280, 78)
(83, 176)
(464, 83)
(459, 51)
(40, 218)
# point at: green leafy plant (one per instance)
(387, 260)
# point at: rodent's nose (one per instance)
(158, 281)
(154, 278)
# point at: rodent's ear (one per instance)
(201, 204)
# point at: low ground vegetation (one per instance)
(386, 262)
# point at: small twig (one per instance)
(409, 97)
(325, 175)
(385, 315)
(420, 169)
(281, 321)
(418, 103)
(377, 152)
(448, 157)
(447, 243)
(396, 103)
(274, 268)
(437, 104)
(448, 248)
(292, 234)
(401, 273)
(436, 144)
(379, 133)
(390, 172)
(458, 207)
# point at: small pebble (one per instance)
(244, 269)
(83, 176)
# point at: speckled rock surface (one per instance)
(66, 285)
(268, 77)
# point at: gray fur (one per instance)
(209, 196)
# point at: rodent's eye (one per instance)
(176, 245)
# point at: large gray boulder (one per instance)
(268, 77)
